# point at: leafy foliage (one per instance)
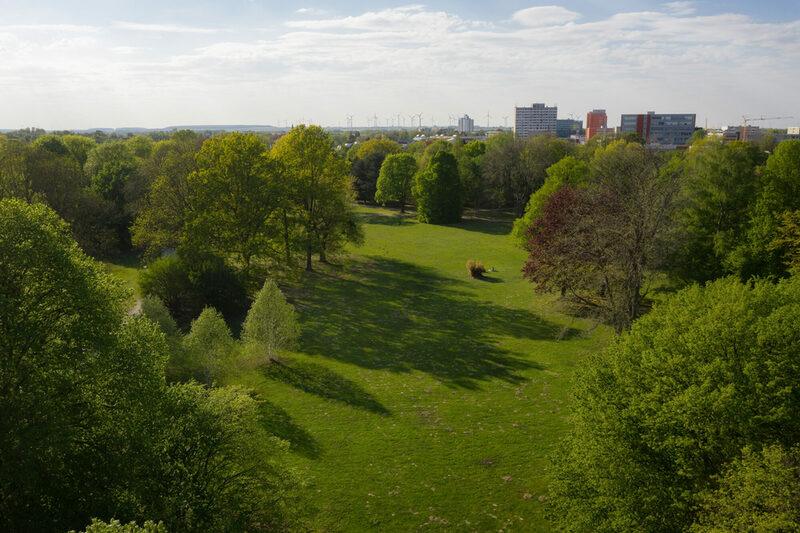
(568, 170)
(758, 492)
(438, 191)
(673, 404)
(186, 286)
(91, 429)
(320, 192)
(396, 180)
(209, 345)
(600, 244)
(235, 194)
(271, 323)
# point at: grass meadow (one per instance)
(419, 399)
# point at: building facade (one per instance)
(660, 129)
(466, 124)
(535, 120)
(596, 123)
(567, 127)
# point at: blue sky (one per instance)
(154, 64)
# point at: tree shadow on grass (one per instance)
(385, 220)
(279, 423)
(489, 227)
(324, 382)
(394, 315)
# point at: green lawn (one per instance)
(418, 398)
(421, 399)
(126, 267)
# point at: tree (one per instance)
(373, 146)
(160, 221)
(517, 168)
(209, 344)
(396, 180)
(319, 191)
(234, 200)
(187, 285)
(601, 245)
(271, 322)
(71, 362)
(470, 160)
(365, 175)
(777, 192)
(758, 492)
(719, 187)
(674, 403)
(90, 428)
(568, 170)
(438, 191)
(788, 239)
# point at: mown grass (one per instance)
(420, 399)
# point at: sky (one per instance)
(89, 64)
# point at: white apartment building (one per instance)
(535, 120)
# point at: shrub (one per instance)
(475, 269)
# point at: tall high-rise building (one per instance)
(596, 123)
(535, 120)
(466, 124)
(666, 130)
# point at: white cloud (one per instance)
(545, 16)
(161, 28)
(680, 8)
(407, 58)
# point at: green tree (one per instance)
(788, 239)
(569, 170)
(160, 220)
(235, 196)
(719, 188)
(470, 168)
(373, 146)
(777, 192)
(114, 526)
(396, 180)
(209, 344)
(666, 408)
(89, 426)
(271, 322)
(319, 191)
(759, 492)
(438, 191)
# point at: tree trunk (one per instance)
(286, 238)
(308, 259)
(322, 257)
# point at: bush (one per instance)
(186, 287)
(475, 269)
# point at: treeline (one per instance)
(605, 230)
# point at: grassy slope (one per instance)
(420, 399)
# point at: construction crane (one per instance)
(747, 119)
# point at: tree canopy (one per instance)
(666, 409)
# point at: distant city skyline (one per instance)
(91, 64)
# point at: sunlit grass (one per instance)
(419, 398)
